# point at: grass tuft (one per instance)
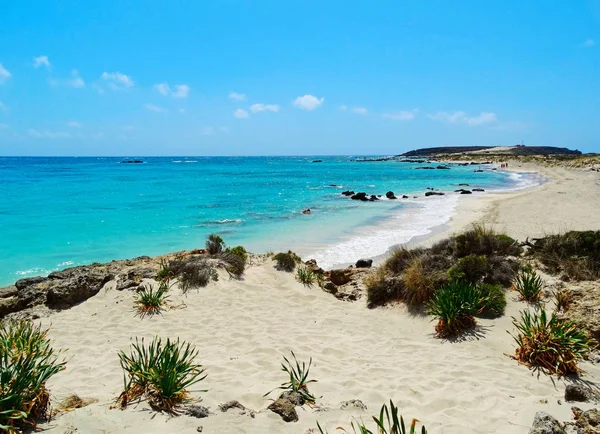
(27, 362)
(529, 285)
(150, 300)
(388, 422)
(286, 261)
(162, 373)
(196, 274)
(493, 300)
(298, 378)
(306, 275)
(551, 343)
(454, 306)
(165, 272)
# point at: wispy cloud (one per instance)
(154, 108)
(257, 108)
(589, 43)
(241, 114)
(117, 80)
(308, 102)
(237, 96)
(41, 60)
(45, 134)
(75, 81)
(459, 117)
(403, 115)
(179, 91)
(4, 74)
(74, 124)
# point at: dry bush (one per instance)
(423, 276)
(382, 289)
(196, 273)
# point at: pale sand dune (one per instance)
(242, 329)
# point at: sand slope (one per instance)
(242, 329)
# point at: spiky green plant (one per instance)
(160, 372)
(493, 300)
(27, 361)
(150, 300)
(562, 299)
(305, 275)
(165, 272)
(298, 378)
(529, 285)
(388, 422)
(550, 342)
(454, 306)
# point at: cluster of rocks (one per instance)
(343, 283)
(440, 167)
(364, 197)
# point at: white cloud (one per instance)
(163, 88)
(41, 60)
(360, 110)
(45, 134)
(74, 124)
(589, 43)
(128, 127)
(4, 74)
(75, 80)
(117, 80)
(241, 114)
(257, 108)
(181, 91)
(403, 115)
(237, 96)
(308, 102)
(459, 117)
(153, 108)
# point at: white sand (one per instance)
(242, 329)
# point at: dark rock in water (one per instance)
(306, 211)
(579, 393)
(433, 193)
(463, 185)
(348, 193)
(478, 189)
(443, 168)
(543, 423)
(359, 196)
(425, 168)
(339, 277)
(333, 185)
(198, 411)
(317, 161)
(364, 263)
(390, 195)
(28, 281)
(478, 171)
(465, 192)
(284, 408)
(353, 404)
(373, 198)
(404, 196)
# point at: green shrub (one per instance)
(305, 275)
(575, 254)
(529, 285)
(382, 289)
(27, 362)
(214, 244)
(196, 274)
(240, 251)
(286, 261)
(471, 268)
(236, 263)
(424, 275)
(500, 271)
(454, 306)
(493, 300)
(388, 422)
(551, 343)
(298, 378)
(160, 373)
(400, 259)
(150, 300)
(479, 240)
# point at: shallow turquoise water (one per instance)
(58, 212)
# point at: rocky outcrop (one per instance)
(543, 423)
(339, 277)
(587, 422)
(285, 406)
(364, 263)
(314, 267)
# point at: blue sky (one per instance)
(296, 77)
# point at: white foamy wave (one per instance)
(398, 229)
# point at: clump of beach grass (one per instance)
(529, 285)
(151, 300)
(27, 362)
(455, 306)
(286, 261)
(165, 272)
(562, 299)
(160, 372)
(388, 422)
(551, 343)
(196, 273)
(306, 276)
(215, 244)
(298, 378)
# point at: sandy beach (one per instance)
(243, 328)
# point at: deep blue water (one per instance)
(57, 212)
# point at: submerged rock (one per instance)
(390, 195)
(359, 196)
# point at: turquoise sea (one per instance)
(60, 212)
